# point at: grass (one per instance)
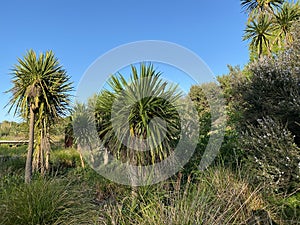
(52, 201)
(5, 150)
(217, 197)
(63, 160)
(12, 161)
(78, 195)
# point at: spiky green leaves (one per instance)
(139, 115)
(39, 81)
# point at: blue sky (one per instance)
(81, 31)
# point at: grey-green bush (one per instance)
(272, 155)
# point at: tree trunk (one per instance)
(28, 167)
(79, 149)
(36, 158)
(47, 160)
(260, 51)
(42, 163)
(81, 159)
(47, 147)
(105, 157)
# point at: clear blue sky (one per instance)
(80, 31)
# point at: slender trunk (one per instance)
(260, 50)
(79, 149)
(47, 160)
(133, 173)
(47, 164)
(81, 159)
(42, 163)
(105, 157)
(28, 167)
(134, 188)
(47, 148)
(35, 159)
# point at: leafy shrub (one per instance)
(272, 155)
(229, 153)
(290, 207)
(274, 88)
(134, 107)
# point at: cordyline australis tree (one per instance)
(269, 25)
(256, 7)
(144, 98)
(40, 94)
(139, 114)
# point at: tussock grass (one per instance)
(5, 150)
(217, 197)
(44, 201)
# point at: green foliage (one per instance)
(216, 197)
(268, 114)
(40, 80)
(290, 207)
(272, 156)
(5, 128)
(269, 27)
(229, 153)
(199, 99)
(257, 7)
(83, 121)
(259, 32)
(284, 20)
(11, 166)
(13, 130)
(12, 151)
(63, 160)
(132, 110)
(12, 161)
(45, 202)
(81, 196)
(273, 91)
(41, 92)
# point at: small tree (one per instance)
(144, 99)
(269, 25)
(257, 7)
(40, 93)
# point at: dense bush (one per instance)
(229, 153)
(272, 156)
(274, 89)
(290, 207)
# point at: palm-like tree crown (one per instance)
(139, 110)
(40, 92)
(259, 32)
(269, 24)
(41, 83)
(284, 19)
(257, 7)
